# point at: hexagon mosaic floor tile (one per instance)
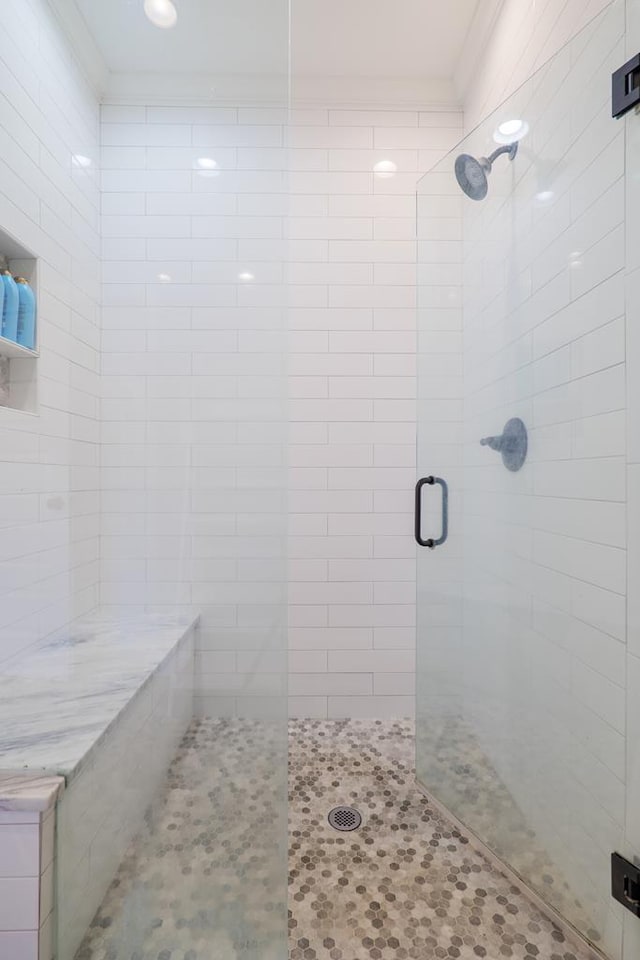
(406, 884)
(204, 878)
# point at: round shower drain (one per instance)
(345, 818)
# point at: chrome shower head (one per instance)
(472, 175)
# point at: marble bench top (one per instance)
(60, 697)
(22, 792)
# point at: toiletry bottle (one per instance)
(26, 314)
(10, 306)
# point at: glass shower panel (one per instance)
(521, 613)
(172, 840)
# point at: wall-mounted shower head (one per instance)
(472, 174)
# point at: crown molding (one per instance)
(374, 92)
(207, 89)
(357, 93)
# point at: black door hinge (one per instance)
(625, 87)
(625, 883)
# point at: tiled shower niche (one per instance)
(18, 364)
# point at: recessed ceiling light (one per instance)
(164, 277)
(510, 131)
(385, 169)
(545, 196)
(79, 160)
(162, 13)
(245, 276)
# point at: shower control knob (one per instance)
(513, 444)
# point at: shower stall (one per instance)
(179, 188)
(526, 693)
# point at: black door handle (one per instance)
(430, 481)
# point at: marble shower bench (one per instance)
(90, 720)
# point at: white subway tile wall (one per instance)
(193, 373)
(49, 201)
(194, 386)
(20, 884)
(352, 408)
(26, 884)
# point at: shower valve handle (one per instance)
(512, 444)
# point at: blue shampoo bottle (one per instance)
(9, 306)
(26, 314)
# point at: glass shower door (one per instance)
(521, 612)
